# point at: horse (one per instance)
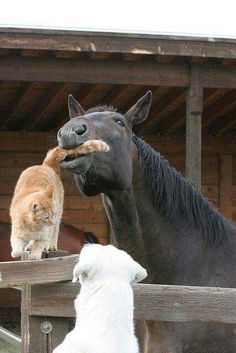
(157, 216)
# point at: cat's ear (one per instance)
(49, 191)
(37, 207)
(74, 107)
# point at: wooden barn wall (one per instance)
(19, 150)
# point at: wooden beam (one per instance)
(152, 302)
(218, 76)
(93, 71)
(146, 44)
(226, 185)
(193, 127)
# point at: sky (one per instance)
(211, 18)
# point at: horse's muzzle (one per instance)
(70, 140)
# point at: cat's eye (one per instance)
(120, 122)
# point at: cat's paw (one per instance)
(51, 247)
(35, 255)
(17, 252)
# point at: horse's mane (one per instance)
(176, 197)
(101, 108)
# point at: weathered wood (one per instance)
(15, 273)
(193, 127)
(226, 184)
(45, 39)
(152, 302)
(34, 336)
(216, 76)
(97, 71)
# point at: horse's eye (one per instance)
(120, 122)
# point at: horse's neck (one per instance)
(140, 230)
(124, 220)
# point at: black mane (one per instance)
(176, 197)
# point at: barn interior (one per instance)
(39, 68)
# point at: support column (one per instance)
(40, 334)
(194, 105)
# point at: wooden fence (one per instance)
(48, 294)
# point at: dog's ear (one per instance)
(139, 272)
(83, 266)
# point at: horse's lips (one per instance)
(79, 164)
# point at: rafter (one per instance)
(166, 106)
(42, 107)
(176, 120)
(21, 93)
(219, 108)
(223, 124)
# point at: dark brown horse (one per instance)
(157, 216)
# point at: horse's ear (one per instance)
(74, 107)
(138, 113)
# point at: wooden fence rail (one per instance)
(152, 302)
(48, 295)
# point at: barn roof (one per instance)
(39, 68)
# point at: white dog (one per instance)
(104, 306)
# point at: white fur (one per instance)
(104, 306)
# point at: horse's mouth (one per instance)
(77, 163)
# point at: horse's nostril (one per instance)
(80, 130)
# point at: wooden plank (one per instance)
(99, 71)
(15, 273)
(152, 302)
(193, 127)
(147, 44)
(226, 182)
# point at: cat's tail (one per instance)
(57, 154)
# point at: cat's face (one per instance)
(40, 210)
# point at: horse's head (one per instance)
(100, 172)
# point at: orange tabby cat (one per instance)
(37, 204)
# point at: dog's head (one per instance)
(97, 262)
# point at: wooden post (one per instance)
(40, 334)
(194, 127)
(226, 185)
